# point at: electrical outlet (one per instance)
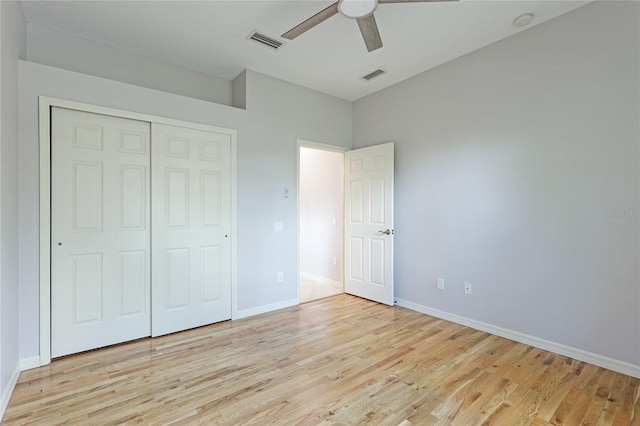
(440, 283)
(277, 227)
(467, 288)
(335, 260)
(280, 277)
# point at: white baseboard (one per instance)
(6, 392)
(575, 353)
(318, 278)
(243, 313)
(29, 363)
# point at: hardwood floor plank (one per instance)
(335, 361)
(602, 390)
(612, 403)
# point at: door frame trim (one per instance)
(44, 124)
(302, 143)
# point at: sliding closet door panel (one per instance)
(100, 231)
(191, 195)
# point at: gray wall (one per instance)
(13, 36)
(517, 170)
(50, 47)
(239, 91)
(278, 113)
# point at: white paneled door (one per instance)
(369, 223)
(100, 217)
(140, 223)
(191, 203)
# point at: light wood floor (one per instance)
(340, 360)
(311, 289)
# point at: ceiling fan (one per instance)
(360, 10)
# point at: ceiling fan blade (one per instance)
(411, 1)
(370, 33)
(316, 19)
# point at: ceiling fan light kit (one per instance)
(360, 10)
(357, 9)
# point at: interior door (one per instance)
(100, 230)
(369, 223)
(191, 198)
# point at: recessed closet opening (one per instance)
(137, 223)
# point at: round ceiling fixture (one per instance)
(523, 20)
(357, 9)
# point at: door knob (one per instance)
(385, 232)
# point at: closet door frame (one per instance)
(44, 124)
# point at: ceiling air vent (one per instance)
(265, 40)
(373, 74)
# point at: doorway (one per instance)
(321, 221)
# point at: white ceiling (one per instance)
(211, 36)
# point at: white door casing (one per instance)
(100, 229)
(369, 223)
(191, 226)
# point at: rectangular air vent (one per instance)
(265, 40)
(373, 74)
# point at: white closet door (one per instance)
(191, 198)
(100, 231)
